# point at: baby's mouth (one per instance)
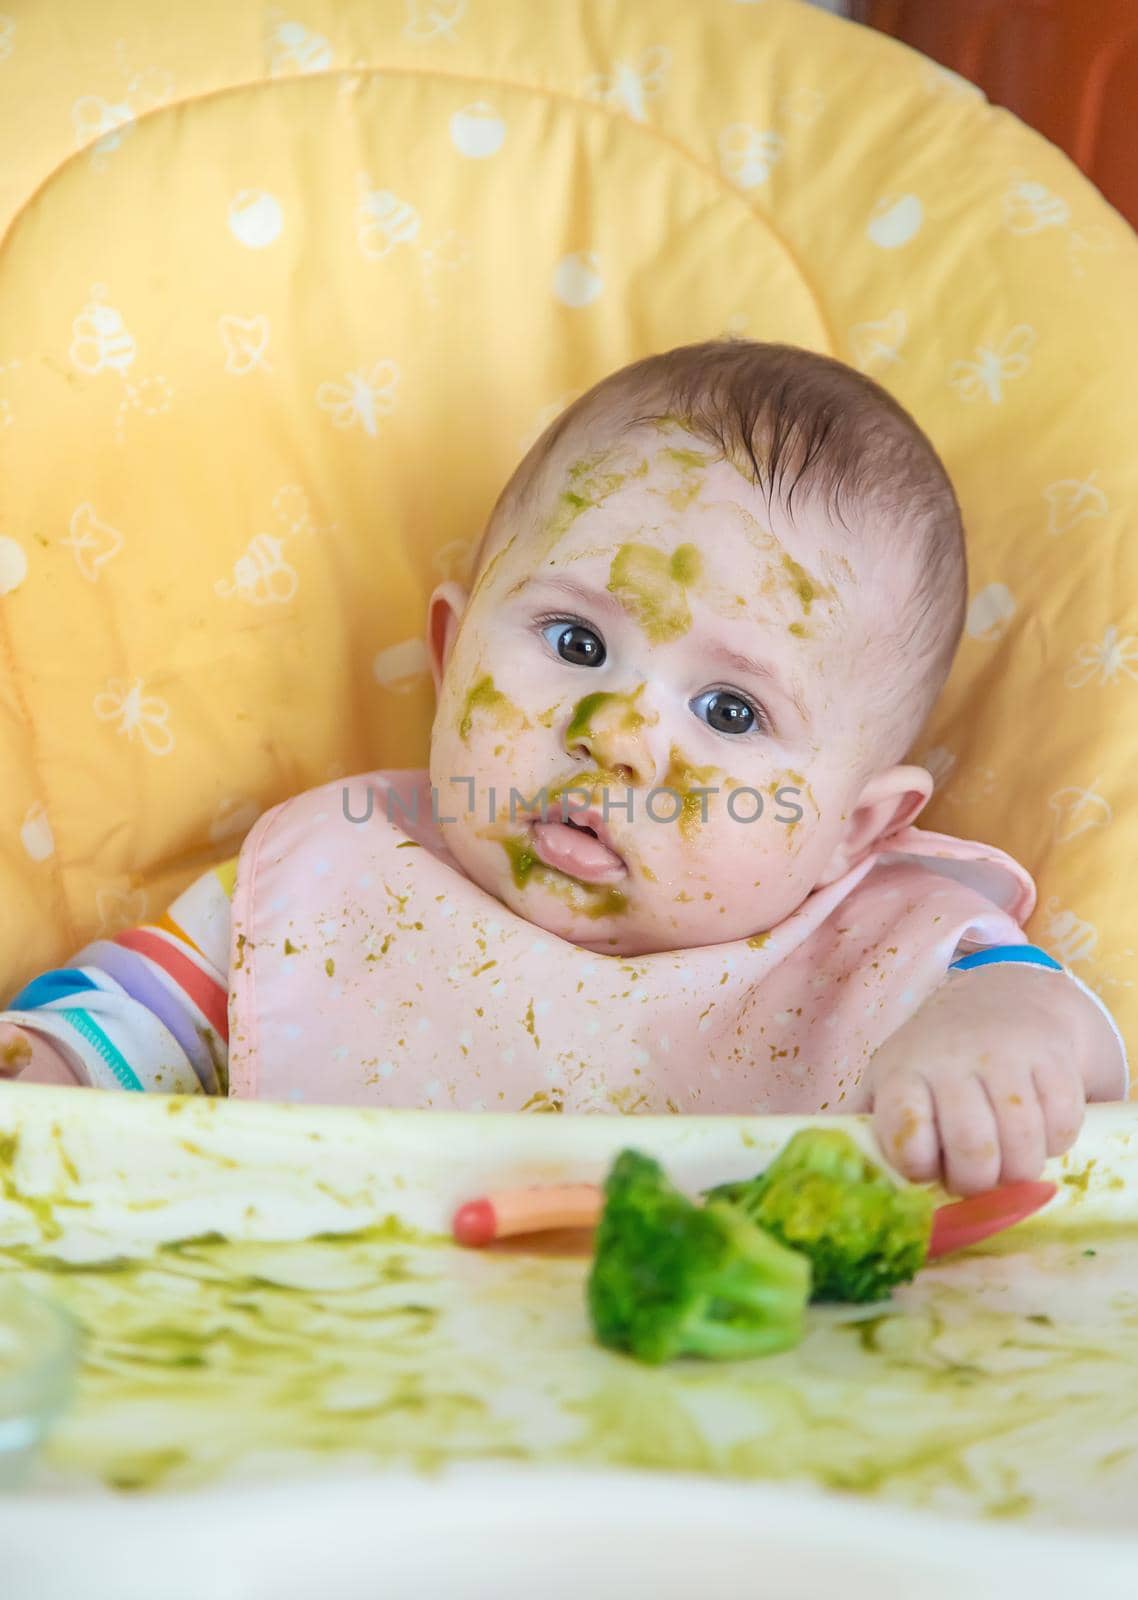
(578, 848)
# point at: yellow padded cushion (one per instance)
(285, 293)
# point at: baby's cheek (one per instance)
(790, 860)
(774, 819)
(445, 697)
(742, 850)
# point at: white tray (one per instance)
(265, 1413)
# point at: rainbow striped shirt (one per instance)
(146, 1008)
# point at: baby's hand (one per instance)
(32, 1057)
(991, 1076)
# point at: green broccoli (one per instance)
(671, 1278)
(822, 1196)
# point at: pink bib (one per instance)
(365, 968)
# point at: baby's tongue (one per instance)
(575, 852)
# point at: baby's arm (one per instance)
(144, 1009)
(992, 1074)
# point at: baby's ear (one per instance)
(444, 613)
(890, 801)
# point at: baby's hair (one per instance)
(800, 427)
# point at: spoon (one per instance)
(543, 1207)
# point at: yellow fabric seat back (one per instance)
(284, 294)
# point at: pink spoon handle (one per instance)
(966, 1222)
(542, 1207)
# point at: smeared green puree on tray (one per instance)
(1003, 1383)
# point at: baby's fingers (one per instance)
(1019, 1118)
(969, 1136)
(1063, 1102)
(904, 1121)
(15, 1050)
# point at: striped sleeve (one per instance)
(146, 1008)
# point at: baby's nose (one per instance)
(610, 732)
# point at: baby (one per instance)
(663, 858)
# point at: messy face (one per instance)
(648, 732)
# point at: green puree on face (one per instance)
(580, 726)
(521, 857)
(592, 480)
(651, 586)
(483, 696)
(608, 901)
(801, 582)
(683, 778)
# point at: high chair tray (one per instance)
(293, 1382)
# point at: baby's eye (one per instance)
(725, 711)
(575, 643)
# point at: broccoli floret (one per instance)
(822, 1196)
(671, 1278)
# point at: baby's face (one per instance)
(651, 632)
